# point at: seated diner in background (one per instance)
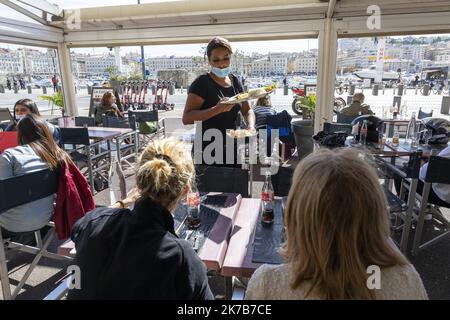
(262, 109)
(357, 107)
(26, 106)
(439, 192)
(107, 107)
(37, 150)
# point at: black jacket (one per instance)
(125, 254)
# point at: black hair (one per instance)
(28, 103)
(217, 42)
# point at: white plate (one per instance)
(234, 99)
(240, 133)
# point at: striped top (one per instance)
(261, 113)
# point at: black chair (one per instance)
(127, 143)
(141, 118)
(282, 181)
(5, 114)
(281, 122)
(423, 115)
(398, 209)
(222, 179)
(16, 191)
(87, 154)
(115, 122)
(82, 121)
(337, 127)
(341, 118)
(437, 172)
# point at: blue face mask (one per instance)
(221, 73)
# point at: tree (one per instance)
(57, 99)
(136, 72)
(200, 65)
(112, 71)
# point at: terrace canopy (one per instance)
(123, 22)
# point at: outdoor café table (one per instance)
(210, 240)
(213, 247)
(392, 123)
(101, 133)
(403, 149)
(240, 257)
(107, 135)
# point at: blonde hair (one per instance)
(337, 225)
(165, 168)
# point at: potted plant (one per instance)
(57, 99)
(307, 104)
(304, 129)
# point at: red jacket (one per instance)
(74, 199)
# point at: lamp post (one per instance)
(142, 54)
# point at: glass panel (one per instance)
(7, 12)
(69, 4)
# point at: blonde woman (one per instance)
(337, 232)
(135, 254)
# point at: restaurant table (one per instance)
(100, 133)
(240, 258)
(392, 123)
(212, 251)
(403, 149)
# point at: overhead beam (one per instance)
(14, 31)
(330, 10)
(398, 24)
(44, 6)
(196, 34)
(24, 11)
(199, 7)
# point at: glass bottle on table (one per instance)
(395, 112)
(395, 138)
(411, 131)
(381, 140)
(363, 133)
(193, 208)
(267, 198)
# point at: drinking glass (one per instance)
(381, 140)
(193, 206)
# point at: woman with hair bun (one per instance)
(135, 254)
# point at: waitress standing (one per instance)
(208, 92)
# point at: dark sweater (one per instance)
(125, 254)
